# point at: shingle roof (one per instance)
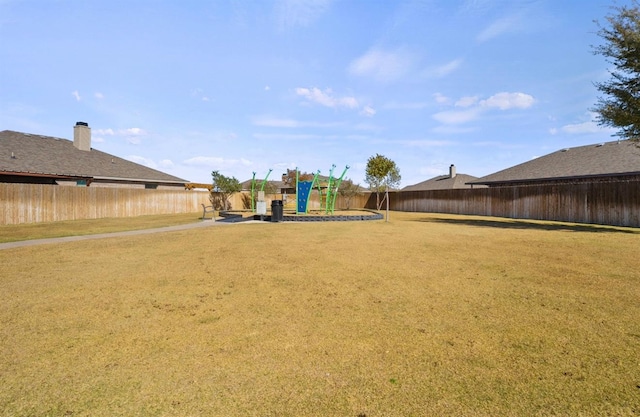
(442, 182)
(591, 161)
(46, 155)
(246, 185)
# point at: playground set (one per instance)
(303, 192)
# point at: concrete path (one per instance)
(204, 223)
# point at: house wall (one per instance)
(33, 203)
(607, 203)
(106, 184)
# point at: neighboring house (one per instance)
(610, 161)
(275, 187)
(444, 182)
(36, 159)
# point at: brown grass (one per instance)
(424, 315)
(19, 232)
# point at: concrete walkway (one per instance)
(197, 225)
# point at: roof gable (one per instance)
(591, 161)
(442, 182)
(29, 154)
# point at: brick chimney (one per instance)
(82, 136)
(452, 171)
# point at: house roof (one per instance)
(36, 155)
(442, 182)
(246, 185)
(592, 161)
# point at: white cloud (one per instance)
(474, 107)
(499, 27)
(326, 98)
(476, 6)
(394, 105)
(452, 130)
(267, 88)
(166, 163)
(466, 101)
(441, 99)
(198, 93)
(585, 128)
(76, 95)
(218, 136)
(382, 65)
(280, 136)
(443, 70)
(312, 137)
(134, 131)
(104, 132)
(215, 162)
(130, 132)
(430, 171)
(505, 101)
(427, 143)
(142, 161)
(268, 121)
(99, 95)
(589, 125)
(368, 127)
(368, 111)
(132, 135)
(291, 13)
(134, 140)
(454, 117)
(275, 122)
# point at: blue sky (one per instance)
(188, 87)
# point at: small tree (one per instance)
(620, 107)
(290, 178)
(381, 174)
(348, 190)
(269, 189)
(223, 188)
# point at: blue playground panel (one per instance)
(304, 189)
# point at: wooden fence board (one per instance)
(33, 203)
(609, 203)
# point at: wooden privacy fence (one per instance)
(607, 203)
(33, 203)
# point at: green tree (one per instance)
(620, 105)
(348, 190)
(223, 188)
(381, 174)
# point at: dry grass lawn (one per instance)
(19, 232)
(427, 314)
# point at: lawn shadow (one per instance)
(530, 225)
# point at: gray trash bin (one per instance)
(277, 209)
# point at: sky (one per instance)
(244, 86)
